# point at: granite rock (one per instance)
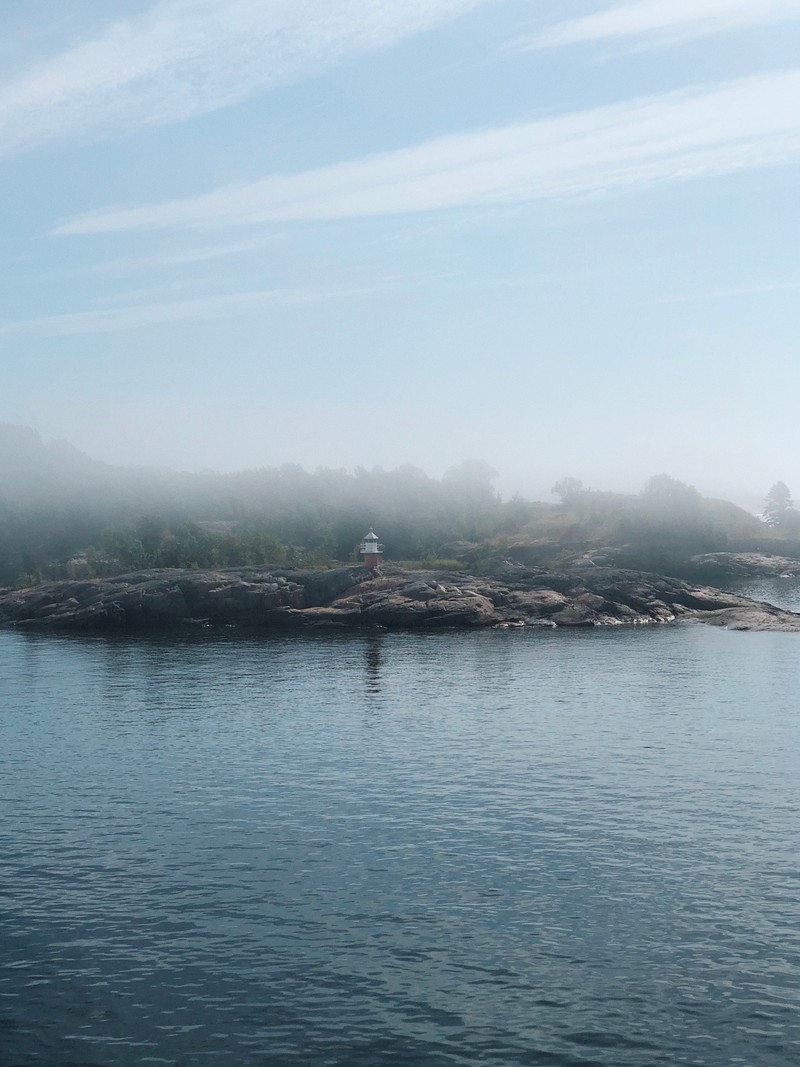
(394, 598)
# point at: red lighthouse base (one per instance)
(370, 551)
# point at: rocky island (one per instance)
(392, 598)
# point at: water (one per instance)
(785, 592)
(500, 848)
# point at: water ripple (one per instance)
(451, 849)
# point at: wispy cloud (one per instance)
(138, 316)
(182, 258)
(711, 130)
(661, 21)
(187, 57)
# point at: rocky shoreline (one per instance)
(393, 598)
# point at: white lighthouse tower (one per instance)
(371, 551)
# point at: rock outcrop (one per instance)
(392, 598)
(741, 565)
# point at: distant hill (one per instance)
(31, 470)
(35, 472)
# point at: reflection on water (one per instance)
(372, 663)
(548, 848)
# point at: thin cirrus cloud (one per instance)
(701, 132)
(659, 21)
(184, 258)
(138, 316)
(183, 58)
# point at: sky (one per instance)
(557, 235)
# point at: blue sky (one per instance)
(559, 236)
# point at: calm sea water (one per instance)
(476, 848)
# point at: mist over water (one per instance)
(499, 847)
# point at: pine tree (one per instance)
(778, 505)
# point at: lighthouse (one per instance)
(371, 551)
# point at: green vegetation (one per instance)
(64, 515)
(659, 529)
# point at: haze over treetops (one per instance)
(63, 513)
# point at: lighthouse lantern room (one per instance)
(371, 551)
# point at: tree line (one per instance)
(64, 515)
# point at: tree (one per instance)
(568, 489)
(151, 531)
(672, 515)
(472, 478)
(778, 505)
(662, 491)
